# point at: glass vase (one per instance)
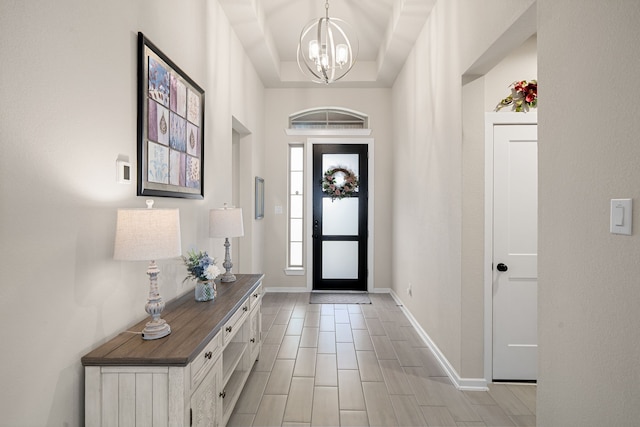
(205, 290)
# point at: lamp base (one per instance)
(227, 277)
(156, 329)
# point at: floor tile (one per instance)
(375, 326)
(289, 347)
(299, 312)
(295, 326)
(407, 355)
(357, 321)
(271, 411)
(493, 415)
(305, 363)
(240, 420)
(369, 366)
(343, 332)
(268, 353)
(327, 323)
(507, 400)
(275, 334)
(383, 347)
(350, 390)
(283, 316)
(362, 339)
(342, 316)
(300, 401)
(379, 408)
(353, 419)
(326, 342)
(326, 411)
(394, 377)
(407, 410)
(251, 395)
(346, 356)
(309, 337)
(312, 319)
(280, 377)
(326, 370)
(438, 416)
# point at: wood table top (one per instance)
(193, 325)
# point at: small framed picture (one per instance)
(259, 198)
(170, 127)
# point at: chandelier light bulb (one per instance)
(342, 54)
(314, 50)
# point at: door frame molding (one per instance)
(309, 203)
(490, 120)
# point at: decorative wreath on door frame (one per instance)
(348, 186)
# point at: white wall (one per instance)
(429, 194)
(68, 84)
(280, 103)
(589, 290)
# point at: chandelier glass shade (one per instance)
(327, 49)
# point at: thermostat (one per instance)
(123, 172)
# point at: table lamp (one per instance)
(226, 222)
(149, 235)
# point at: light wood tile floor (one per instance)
(361, 365)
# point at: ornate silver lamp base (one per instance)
(156, 327)
(228, 276)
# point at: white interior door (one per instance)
(515, 247)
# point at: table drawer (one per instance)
(234, 324)
(201, 365)
(256, 296)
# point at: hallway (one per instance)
(361, 365)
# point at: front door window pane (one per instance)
(340, 217)
(339, 260)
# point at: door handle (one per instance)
(502, 267)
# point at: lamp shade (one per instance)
(147, 234)
(226, 222)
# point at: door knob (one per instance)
(502, 267)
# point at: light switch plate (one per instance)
(621, 216)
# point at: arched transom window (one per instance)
(328, 118)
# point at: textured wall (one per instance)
(589, 290)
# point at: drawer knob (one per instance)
(208, 355)
(223, 394)
(228, 329)
(252, 340)
(256, 295)
(245, 308)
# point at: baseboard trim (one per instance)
(296, 289)
(473, 384)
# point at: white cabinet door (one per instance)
(206, 403)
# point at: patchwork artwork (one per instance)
(170, 127)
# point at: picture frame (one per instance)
(170, 127)
(259, 198)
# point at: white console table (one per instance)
(193, 377)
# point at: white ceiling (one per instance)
(269, 31)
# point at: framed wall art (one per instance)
(170, 127)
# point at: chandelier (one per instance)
(325, 53)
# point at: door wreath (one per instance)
(339, 182)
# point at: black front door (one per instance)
(339, 220)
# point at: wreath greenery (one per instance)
(339, 188)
